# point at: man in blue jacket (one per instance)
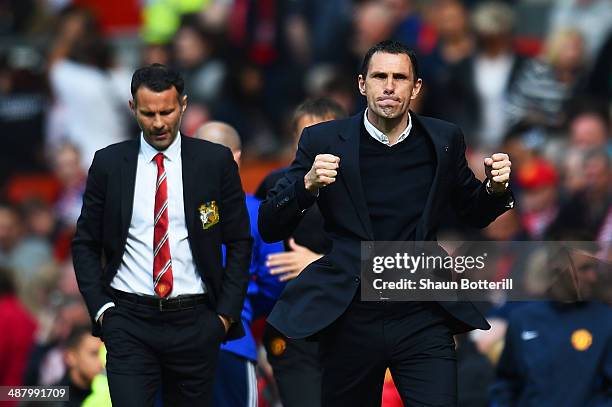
(235, 381)
(559, 353)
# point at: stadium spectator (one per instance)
(93, 116)
(538, 203)
(545, 85)
(83, 364)
(18, 328)
(479, 84)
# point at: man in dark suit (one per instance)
(147, 251)
(396, 172)
(297, 371)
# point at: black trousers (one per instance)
(413, 340)
(296, 367)
(150, 350)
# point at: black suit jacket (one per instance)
(309, 232)
(209, 174)
(323, 291)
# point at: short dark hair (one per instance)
(318, 107)
(76, 335)
(158, 78)
(390, 47)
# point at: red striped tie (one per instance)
(162, 261)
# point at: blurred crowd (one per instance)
(532, 78)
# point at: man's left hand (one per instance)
(497, 168)
(289, 265)
(226, 322)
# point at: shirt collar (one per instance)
(379, 135)
(172, 153)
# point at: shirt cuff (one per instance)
(304, 198)
(104, 308)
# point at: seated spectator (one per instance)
(46, 360)
(194, 55)
(545, 85)
(27, 255)
(83, 364)
(589, 129)
(455, 42)
(68, 169)
(89, 108)
(479, 84)
(17, 329)
(586, 209)
(591, 17)
(539, 202)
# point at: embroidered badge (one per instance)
(581, 339)
(209, 214)
(278, 346)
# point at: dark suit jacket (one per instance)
(323, 291)
(209, 174)
(309, 232)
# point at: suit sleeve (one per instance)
(237, 239)
(284, 206)
(469, 196)
(87, 252)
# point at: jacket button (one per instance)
(357, 279)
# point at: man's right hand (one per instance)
(323, 172)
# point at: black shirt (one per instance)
(396, 181)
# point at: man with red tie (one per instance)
(148, 251)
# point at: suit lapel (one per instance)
(189, 168)
(129, 165)
(440, 150)
(348, 151)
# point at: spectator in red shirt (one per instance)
(18, 328)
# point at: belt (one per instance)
(181, 302)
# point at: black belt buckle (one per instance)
(168, 303)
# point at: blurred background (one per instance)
(532, 78)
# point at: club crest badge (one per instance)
(209, 214)
(278, 346)
(581, 339)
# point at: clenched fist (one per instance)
(323, 172)
(497, 168)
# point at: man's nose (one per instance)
(157, 122)
(389, 85)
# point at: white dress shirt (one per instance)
(135, 274)
(380, 136)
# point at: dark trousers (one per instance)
(150, 350)
(235, 381)
(413, 340)
(296, 367)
